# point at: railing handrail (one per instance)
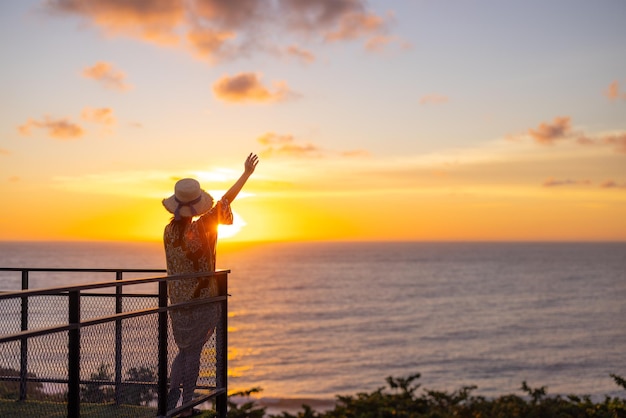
(86, 270)
(75, 323)
(101, 285)
(108, 318)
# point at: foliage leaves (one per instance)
(11, 389)
(401, 400)
(99, 389)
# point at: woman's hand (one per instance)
(251, 163)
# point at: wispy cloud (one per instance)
(551, 182)
(271, 138)
(143, 183)
(247, 87)
(612, 184)
(301, 54)
(561, 130)
(4, 151)
(613, 91)
(103, 115)
(62, 129)
(356, 24)
(107, 75)
(547, 133)
(618, 142)
(607, 184)
(218, 29)
(286, 145)
(615, 141)
(209, 43)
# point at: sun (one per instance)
(229, 231)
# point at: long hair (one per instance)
(180, 225)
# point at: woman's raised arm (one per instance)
(249, 167)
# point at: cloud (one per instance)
(334, 20)
(548, 133)
(276, 145)
(433, 99)
(301, 54)
(270, 138)
(567, 182)
(56, 128)
(247, 87)
(618, 142)
(285, 145)
(209, 43)
(613, 92)
(380, 42)
(611, 184)
(64, 129)
(103, 115)
(561, 130)
(4, 151)
(356, 24)
(219, 29)
(585, 140)
(108, 76)
(232, 14)
(291, 150)
(151, 20)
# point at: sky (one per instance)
(476, 120)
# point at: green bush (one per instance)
(134, 394)
(11, 389)
(96, 391)
(401, 400)
(100, 390)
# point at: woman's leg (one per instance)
(176, 379)
(191, 371)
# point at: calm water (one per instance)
(319, 319)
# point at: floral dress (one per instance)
(190, 248)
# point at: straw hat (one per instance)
(188, 199)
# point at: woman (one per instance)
(190, 248)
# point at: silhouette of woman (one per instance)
(190, 248)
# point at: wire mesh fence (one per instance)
(102, 349)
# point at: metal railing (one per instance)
(52, 338)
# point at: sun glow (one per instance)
(229, 231)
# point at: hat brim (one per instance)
(203, 206)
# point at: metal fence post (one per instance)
(24, 341)
(118, 340)
(162, 378)
(73, 356)
(221, 400)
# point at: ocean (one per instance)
(316, 320)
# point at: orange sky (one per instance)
(373, 121)
(457, 202)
